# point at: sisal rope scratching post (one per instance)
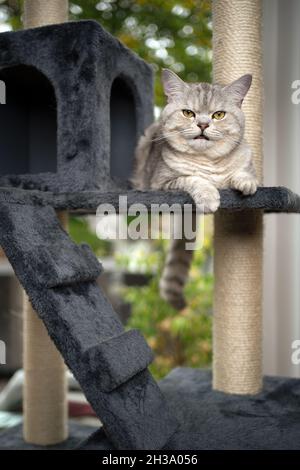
(45, 388)
(237, 361)
(43, 12)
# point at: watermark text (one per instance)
(175, 221)
(2, 353)
(2, 92)
(295, 358)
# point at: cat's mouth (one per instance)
(201, 137)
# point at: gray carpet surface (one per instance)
(211, 420)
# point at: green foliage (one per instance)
(10, 14)
(166, 33)
(177, 338)
(80, 232)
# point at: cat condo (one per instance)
(77, 101)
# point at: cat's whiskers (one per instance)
(234, 140)
(170, 134)
(165, 136)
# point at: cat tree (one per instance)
(237, 332)
(91, 82)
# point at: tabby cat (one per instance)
(197, 146)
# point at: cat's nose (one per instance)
(203, 125)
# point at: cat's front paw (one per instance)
(207, 199)
(247, 186)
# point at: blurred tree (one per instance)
(81, 232)
(166, 33)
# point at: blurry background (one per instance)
(281, 167)
(177, 34)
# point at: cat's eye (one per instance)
(188, 113)
(218, 115)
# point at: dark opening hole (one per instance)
(28, 122)
(123, 130)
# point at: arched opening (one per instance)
(122, 129)
(28, 123)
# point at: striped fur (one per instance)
(175, 273)
(172, 156)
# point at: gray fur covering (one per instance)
(81, 60)
(211, 420)
(269, 199)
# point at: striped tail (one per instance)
(175, 273)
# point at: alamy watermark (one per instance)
(2, 353)
(295, 357)
(2, 92)
(295, 96)
(152, 222)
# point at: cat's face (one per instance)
(202, 118)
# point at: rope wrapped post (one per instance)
(45, 388)
(237, 332)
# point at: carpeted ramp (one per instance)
(110, 364)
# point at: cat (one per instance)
(197, 146)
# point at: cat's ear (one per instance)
(239, 88)
(172, 84)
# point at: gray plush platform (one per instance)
(12, 438)
(214, 420)
(269, 199)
